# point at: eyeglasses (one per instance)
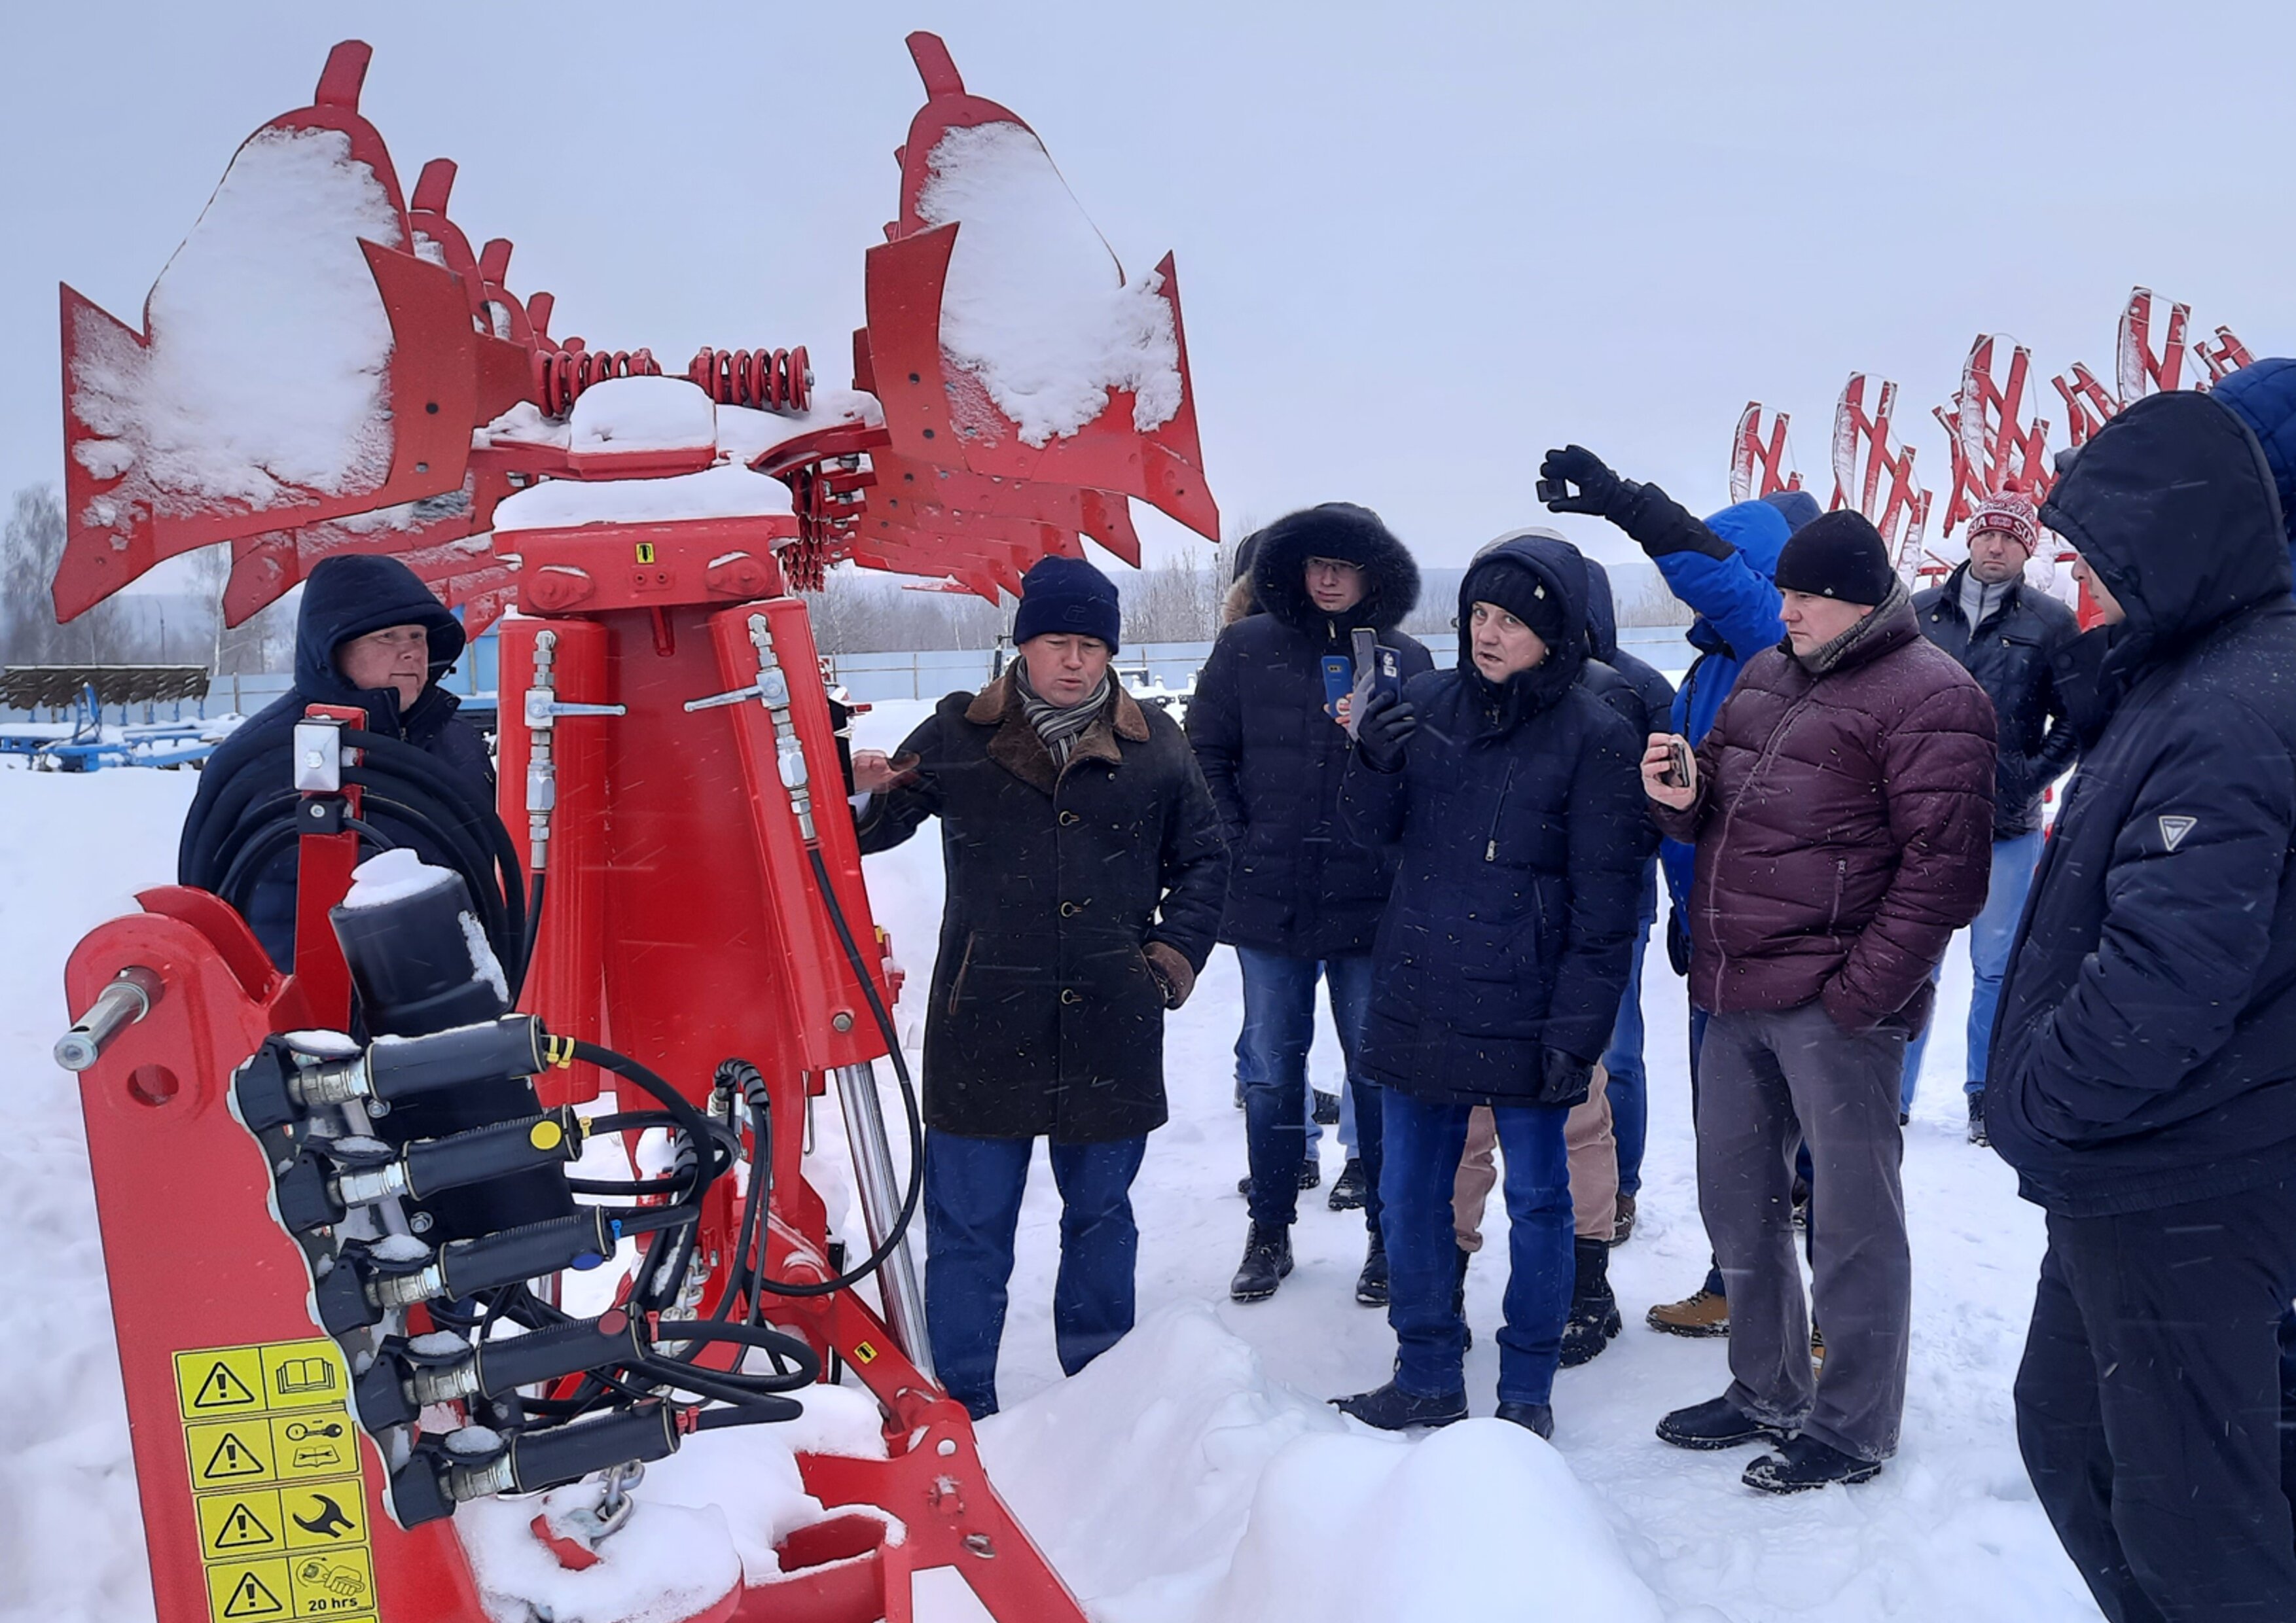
(1333, 565)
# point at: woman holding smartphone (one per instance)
(1514, 794)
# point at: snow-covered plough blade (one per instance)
(298, 362)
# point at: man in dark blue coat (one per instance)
(369, 634)
(1511, 788)
(2143, 1076)
(1303, 898)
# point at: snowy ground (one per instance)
(1195, 1473)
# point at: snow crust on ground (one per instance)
(1036, 305)
(727, 492)
(269, 346)
(1194, 1474)
(656, 413)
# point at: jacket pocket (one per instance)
(956, 981)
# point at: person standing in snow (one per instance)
(1842, 810)
(1501, 957)
(2143, 1078)
(1303, 898)
(368, 635)
(2004, 635)
(1721, 570)
(1084, 872)
(1593, 1134)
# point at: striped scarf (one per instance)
(1059, 727)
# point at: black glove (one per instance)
(1386, 723)
(1599, 489)
(1677, 941)
(1564, 1078)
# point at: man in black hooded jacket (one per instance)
(368, 635)
(1303, 897)
(2143, 1074)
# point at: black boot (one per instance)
(1327, 1109)
(1593, 1310)
(1266, 1259)
(1390, 1408)
(1530, 1416)
(1977, 1118)
(1802, 1463)
(1348, 1189)
(1371, 1284)
(1459, 1297)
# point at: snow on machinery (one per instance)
(1989, 437)
(327, 367)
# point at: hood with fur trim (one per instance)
(1335, 529)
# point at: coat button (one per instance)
(1069, 995)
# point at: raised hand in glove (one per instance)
(1599, 489)
(1565, 1078)
(1388, 722)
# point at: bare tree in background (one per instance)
(31, 545)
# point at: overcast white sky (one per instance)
(1416, 244)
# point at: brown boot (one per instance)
(1705, 1313)
(1622, 1227)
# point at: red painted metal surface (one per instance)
(1757, 464)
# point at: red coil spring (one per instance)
(771, 380)
(561, 375)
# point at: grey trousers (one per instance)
(1766, 1080)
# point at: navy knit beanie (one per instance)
(1796, 507)
(1069, 596)
(1507, 585)
(1839, 555)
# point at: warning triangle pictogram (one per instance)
(233, 1458)
(250, 1598)
(241, 1528)
(222, 1390)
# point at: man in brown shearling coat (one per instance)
(1842, 810)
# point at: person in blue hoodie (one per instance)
(369, 634)
(1722, 567)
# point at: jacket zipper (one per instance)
(1491, 846)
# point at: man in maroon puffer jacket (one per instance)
(1842, 810)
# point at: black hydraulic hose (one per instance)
(748, 1261)
(533, 927)
(885, 1248)
(793, 1347)
(767, 1408)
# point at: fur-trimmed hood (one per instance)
(1335, 529)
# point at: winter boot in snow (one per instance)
(1348, 1188)
(1802, 1463)
(1977, 1118)
(1459, 1298)
(1530, 1416)
(1266, 1259)
(1716, 1423)
(1328, 1108)
(1705, 1313)
(1593, 1311)
(1371, 1284)
(1622, 1228)
(1390, 1408)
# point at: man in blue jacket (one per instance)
(2142, 1077)
(1722, 569)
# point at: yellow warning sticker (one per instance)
(245, 1590)
(645, 552)
(230, 1452)
(315, 1514)
(277, 1482)
(303, 1375)
(331, 1583)
(220, 1383)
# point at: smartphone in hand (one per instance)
(1376, 671)
(1680, 773)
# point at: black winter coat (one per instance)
(1651, 706)
(1045, 1017)
(1519, 811)
(2145, 1053)
(2009, 655)
(1273, 757)
(346, 598)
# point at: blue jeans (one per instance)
(1991, 935)
(1424, 1141)
(1623, 1059)
(972, 1207)
(1279, 1023)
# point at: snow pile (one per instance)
(391, 877)
(728, 491)
(654, 414)
(746, 433)
(524, 424)
(266, 374)
(1036, 306)
(668, 1562)
(1174, 1480)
